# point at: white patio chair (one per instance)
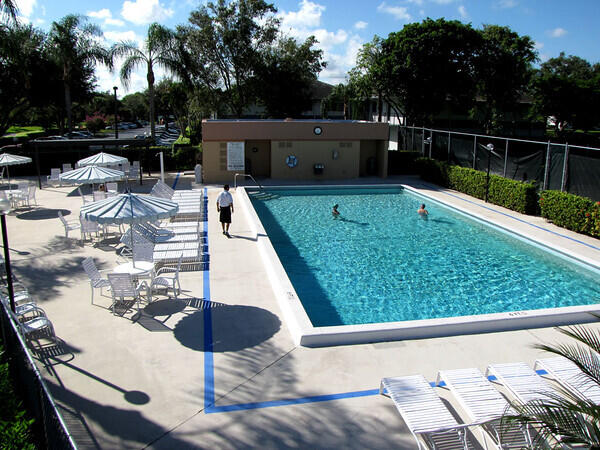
(68, 224)
(19, 196)
(24, 310)
(112, 188)
(54, 177)
(122, 286)
(424, 413)
(84, 199)
(96, 280)
(30, 197)
(2, 174)
(569, 376)
(485, 406)
(66, 167)
(87, 228)
(99, 195)
(31, 327)
(166, 278)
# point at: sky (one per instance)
(340, 26)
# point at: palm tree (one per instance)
(9, 9)
(73, 43)
(159, 51)
(567, 413)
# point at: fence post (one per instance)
(505, 159)
(412, 139)
(475, 152)
(547, 168)
(563, 183)
(449, 140)
(423, 141)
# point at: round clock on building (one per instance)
(317, 130)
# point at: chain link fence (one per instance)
(36, 396)
(563, 167)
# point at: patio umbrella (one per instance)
(102, 159)
(129, 209)
(6, 159)
(91, 175)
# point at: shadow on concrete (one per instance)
(235, 327)
(121, 428)
(42, 214)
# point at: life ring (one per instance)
(291, 161)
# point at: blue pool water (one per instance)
(381, 262)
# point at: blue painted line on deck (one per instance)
(523, 221)
(294, 401)
(209, 369)
(176, 180)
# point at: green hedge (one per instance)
(511, 194)
(15, 425)
(570, 211)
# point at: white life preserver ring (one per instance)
(291, 161)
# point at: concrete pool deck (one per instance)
(226, 374)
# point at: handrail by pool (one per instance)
(244, 175)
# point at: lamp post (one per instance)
(116, 120)
(490, 148)
(5, 209)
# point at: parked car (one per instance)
(76, 135)
(51, 138)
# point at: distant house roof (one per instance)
(320, 90)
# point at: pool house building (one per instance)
(293, 149)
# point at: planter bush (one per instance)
(571, 211)
(515, 195)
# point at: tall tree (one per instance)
(503, 71)
(566, 89)
(285, 75)
(226, 39)
(158, 51)
(21, 58)
(9, 10)
(429, 64)
(74, 45)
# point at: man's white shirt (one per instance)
(224, 199)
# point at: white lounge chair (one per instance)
(424, 413)
(32, 327)
(66, 167)
(68, 224)
(485, 406)
(568, 375)
(521, 381)
(112, 188)
(96, 280)
(88, 227)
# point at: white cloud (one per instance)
(106, 15)
(443, 2)
(463, 12)
(538, 45)
(360, 25)
(309, 15)
(26, 7)
(142, 12)
(507, 4)
(398, 12)
(558, 32)
(100, 14)
(117, 36)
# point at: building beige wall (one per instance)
(382, 159)
(260, 160)
(309, 153)
(368, 149)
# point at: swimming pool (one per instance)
(380, 263)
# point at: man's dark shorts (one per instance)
(225, 214)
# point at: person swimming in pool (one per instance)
(335, 212)
(422, 211)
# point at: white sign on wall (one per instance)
(235, 156)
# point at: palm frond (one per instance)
(129, 65)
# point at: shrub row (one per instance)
(570, 211)
(515, 195)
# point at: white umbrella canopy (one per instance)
(6, 159)
(102, 159)
(91, 175)
(129, 208)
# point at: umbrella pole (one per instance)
(8, 176)
(131, 229)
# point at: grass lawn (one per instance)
(23, 131)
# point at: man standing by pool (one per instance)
(225, 208)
